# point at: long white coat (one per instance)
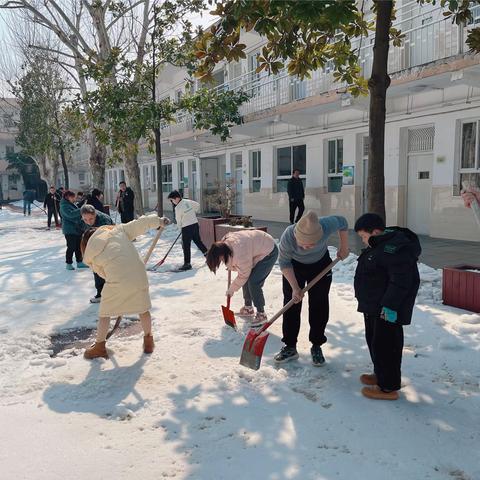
(111, 254)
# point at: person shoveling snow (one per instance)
(109, 251)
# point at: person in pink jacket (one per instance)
(251, 253)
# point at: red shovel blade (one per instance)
(253, 349)
(229, 317)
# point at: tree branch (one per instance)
(129, 9)
(51, 50)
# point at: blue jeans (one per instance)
(27, 205)
(252, 290)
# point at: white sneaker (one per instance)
(95, 299)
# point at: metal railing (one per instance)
(428, 37)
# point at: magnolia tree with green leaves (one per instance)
(303, 35)
(46, 130)
(127, 112)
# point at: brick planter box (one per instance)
(223, 228)
(461, 287)
(207, 228)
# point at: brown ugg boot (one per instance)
(376, 393)
(95, 351)
(148, 344)
(368, 379)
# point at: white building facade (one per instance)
(431, 141)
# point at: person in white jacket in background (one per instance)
(186, 218)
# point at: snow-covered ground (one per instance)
(190, 411)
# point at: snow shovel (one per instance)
(117, 324)
(161, 262)
(257, 338)
(154, 242)
(228, 315)
(43, 210)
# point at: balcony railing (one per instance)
(428, 37)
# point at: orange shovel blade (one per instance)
(229, 317)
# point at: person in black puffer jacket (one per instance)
(96, 200)
(386, 285)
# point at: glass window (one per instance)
(288, 160)
(167, 177)
(300, 159)
(284, 161)
(335, 164)
(181, 176)
(9, 149)
(256, 171)
(469, 131)
(153, 177)
(469, 172)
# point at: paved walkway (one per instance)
(436, 252)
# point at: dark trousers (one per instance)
(385, 343)
(294, 204)
(253, 289)
(99, 283)
(73, 246)
(52, 212)
(318, 306)
(189, 234)
(127, 217)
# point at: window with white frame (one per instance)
(290, 159)
(469, 171)
(146, 177)
(335, 164)
(167, 177)
(153, 177)
(81, 178)
(181, 176)
(256, 170)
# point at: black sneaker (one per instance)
(286, 354)
(317, 355)
(185, 267)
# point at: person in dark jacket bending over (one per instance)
(296, 194)
(386, 285)
(94, 218)
(303, 255)
(125, 203)
(72, 229)
(51, 204)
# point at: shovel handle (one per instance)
(161, 262)
(311, 284)
(229, 282)
(152, 245)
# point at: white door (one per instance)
(238, 191)
(419, 192)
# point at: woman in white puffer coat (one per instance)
(109, 251)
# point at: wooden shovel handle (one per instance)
(152, 245)
(304, 290)
(229, 282)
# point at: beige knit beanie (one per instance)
(308, 229)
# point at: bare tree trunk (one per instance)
(133, 173)
(378, 85)
(98, 155)
(158, 156)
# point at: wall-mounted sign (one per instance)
(348, 175)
